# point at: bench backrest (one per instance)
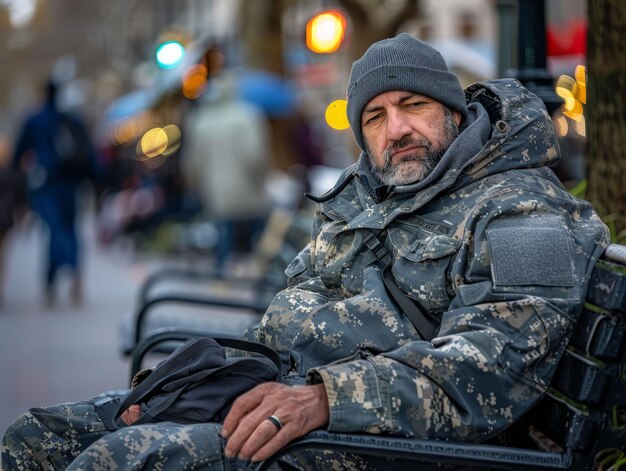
(584, 411)
(581, 417)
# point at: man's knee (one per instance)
(50, 438)
(165, 446)
(22, 444)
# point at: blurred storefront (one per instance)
(104, 53)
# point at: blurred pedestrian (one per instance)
(55, 152)
(226, 159)
(12, 201)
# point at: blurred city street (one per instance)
(63, 353)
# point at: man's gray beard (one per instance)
(399, 174)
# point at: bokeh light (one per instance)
(157, 144)
(560, 126)
(154, 142)
(580, 74)
(169, 54)
(337, 116)
(580, 127)
(194, 81)
(574, 93)
(173, 139)
(325, 32)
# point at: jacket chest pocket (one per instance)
(420, 262)
(340, 265)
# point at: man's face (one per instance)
(406, 135)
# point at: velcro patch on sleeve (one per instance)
(530, 251)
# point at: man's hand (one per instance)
(251, 436)
(131, 415)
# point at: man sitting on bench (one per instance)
(445, 274)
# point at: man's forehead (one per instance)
(394, 97)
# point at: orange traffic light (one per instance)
(325, 31)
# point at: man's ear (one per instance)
(457, 117)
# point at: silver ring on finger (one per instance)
(276, 421)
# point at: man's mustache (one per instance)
(403, 143)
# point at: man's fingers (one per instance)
(251, 434)
(131, 415)
(265, 432)
(284, 436)
(245, 429)
(242, 405)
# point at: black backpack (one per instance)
(198, 382)
(72, 146)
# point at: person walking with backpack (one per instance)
(55, 152)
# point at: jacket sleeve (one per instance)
(519, 281)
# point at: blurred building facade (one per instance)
(465, 31)
(105, 50)
(99, 50)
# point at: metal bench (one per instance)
(582, 416)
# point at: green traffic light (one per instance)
(169, 54)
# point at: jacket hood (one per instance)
(507, 128)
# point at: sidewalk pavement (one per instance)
(64, 353)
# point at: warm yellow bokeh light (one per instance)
(580, 74)
(337, 116)
(574, 93)
(173, 139)
(195, 81)
(581, 92)
(560, 126)
(579, 126)
(566, 87)
(126, 130)
(154, 142)
(575, 112)
(325, 32)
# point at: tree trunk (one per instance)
(606, 111)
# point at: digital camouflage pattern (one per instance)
(73, 436)
(495, 250)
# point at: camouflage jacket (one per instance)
(495, 250)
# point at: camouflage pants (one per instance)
(79, 436)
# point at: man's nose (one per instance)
(398, 125)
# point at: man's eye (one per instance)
(372, 119)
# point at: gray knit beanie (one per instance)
(400, 63)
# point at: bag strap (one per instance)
(407, 305)
(253, 347)
(187, 351)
